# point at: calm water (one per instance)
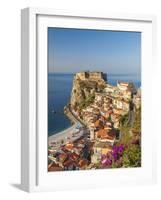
(59, 89)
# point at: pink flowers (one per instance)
(113, 158)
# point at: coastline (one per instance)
(57, 120)
(66, 135)
(51, 137)
(70, 134)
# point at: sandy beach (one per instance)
(64, 136)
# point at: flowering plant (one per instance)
(128, 155)
(113, 159)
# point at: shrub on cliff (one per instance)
(132, 156)
(86, 102)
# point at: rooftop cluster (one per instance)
(102, 118)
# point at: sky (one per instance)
(113, 52)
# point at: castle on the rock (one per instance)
(91, 75)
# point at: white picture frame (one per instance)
(34, 176)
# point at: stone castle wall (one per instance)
(91, 75)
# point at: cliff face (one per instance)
(84, 88)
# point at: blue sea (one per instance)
(59, 90)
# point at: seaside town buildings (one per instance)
(71, 156)
(99, 149)
(102, 120)
(137, 99)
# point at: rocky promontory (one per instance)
(85, 84)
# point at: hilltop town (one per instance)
(106, 126)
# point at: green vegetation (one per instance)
(125, 136)
(124, 120)
(131, 138)
(62, 141)
(125, 128)
(132, 156)
(86, 102)
(137, 121)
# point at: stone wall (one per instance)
(91, 75)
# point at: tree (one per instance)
(86, 102)
(124, 120)
(62, 141)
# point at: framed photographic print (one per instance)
(87, 117)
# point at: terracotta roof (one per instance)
(98, 123)
(83, 162)
(69, 163)
(54, 167)
(69, 146)
(63, 148)
(62, 157)
(104, 134)
(74, 156)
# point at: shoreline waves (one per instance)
(62, 137)
(62, 133)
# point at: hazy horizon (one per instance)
(57, 72)
(112, 52)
